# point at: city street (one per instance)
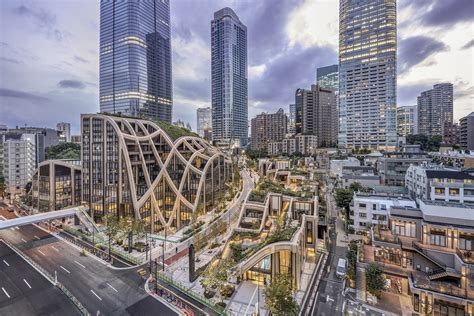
(97, 286)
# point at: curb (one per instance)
(160, 299)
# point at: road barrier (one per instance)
(48, 276)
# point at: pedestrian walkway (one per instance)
(361, 294)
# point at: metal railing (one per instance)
(52, 279)
(219, 309)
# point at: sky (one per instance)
(49, 54)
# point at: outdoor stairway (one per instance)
(425, 254)
(443, 273)
(361, 294)
(86, 220)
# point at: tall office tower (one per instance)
(328, 77)
(292, 119)
(319, 114)
(367, 73)
(299, 111)
(203, 120)
(268, 127)
(229, 79)
(135, 58)
(65, 130)
(435, 109)
(466, 132)
(407, 120)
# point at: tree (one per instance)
(126, 229)
(2, 186)
(352, 260)
(64, 151)
(343, 198)
(112, 229)
(374, 278)
(216, 276)
(279, 296)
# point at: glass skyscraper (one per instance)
(328, 77)
(135, 58)
(229, 79)
(367, 74)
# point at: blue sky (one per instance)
(49, 54)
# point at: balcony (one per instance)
(421, 280)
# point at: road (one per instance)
(94, 284)
(23, 289)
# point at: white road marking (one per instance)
(65, 269)
(41, 252)
(24, 240)
(80, 264)
(55, 248)
(6, 293)
(112, 287)
(12, 228)
(96, 295)
(27, 283)
(37, 237)
(17, 228)
(6, 263)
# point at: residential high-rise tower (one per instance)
(435, 110)
(407, 120)
(268, 127)
(367, 73)
(229, 79)
(135, 58)
(203, 120)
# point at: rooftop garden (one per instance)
(175, 132)
(266, 186)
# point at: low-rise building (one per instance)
(453, 158)
(303, 144)
(393, 165)
(372, 209)
(336, 165)
(364, 175)
(438, 183)
(466, 132)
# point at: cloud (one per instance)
(468, 44)
(71, 84)
(17, 94)
(45, 21)
(10, 60)
(80, 59)
(448, 12)
(414, 50)
(409, 91)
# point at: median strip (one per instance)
(65, 269)
(96, 295)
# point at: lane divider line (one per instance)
(112, 287)
(6, 293)
(24, 240)
(65, 269)
(80, 264)
(41, 252)
(96, 295)
(55, 248)
(37, 237)
(27, 283)
(6, 263)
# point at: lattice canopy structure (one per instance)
(133, 168)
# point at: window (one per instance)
(453, 192)
(362, 205)
(383, 207)
(466, 242)
(438, 238)
(439, 191)
(363, 215)
(374, 207)
(362, 224)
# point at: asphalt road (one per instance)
(24, 291)
(94, 284)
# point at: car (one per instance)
(341, 268)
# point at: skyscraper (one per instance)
(367, 73)
(435, 109)
(319, 114)
(65, 130)
(328, 77)
(292, 119)
(229, 79)
(268, 127)
(407, 120)
(135, 58)
(203, 120)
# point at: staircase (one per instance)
(361, 294)
(443, 273)
(425, 254)
(86, 220)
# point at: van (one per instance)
(341, 268)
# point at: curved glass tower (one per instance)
(229, 79)
(135, 58)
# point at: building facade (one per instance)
(204, 120)
(268, 127)
(438, 183)
(292, 119)
(19, 163)
(135, 59)
(328, 77)
(393, 166)
(131, 167)
(407, 120)
(65, 130)
(466, 132)
(55, 185)
(367, 74)
(319, 114)
(435, 110)
(229, 79)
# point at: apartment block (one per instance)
(466, 132)
(266, 128)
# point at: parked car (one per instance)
(341, 268)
